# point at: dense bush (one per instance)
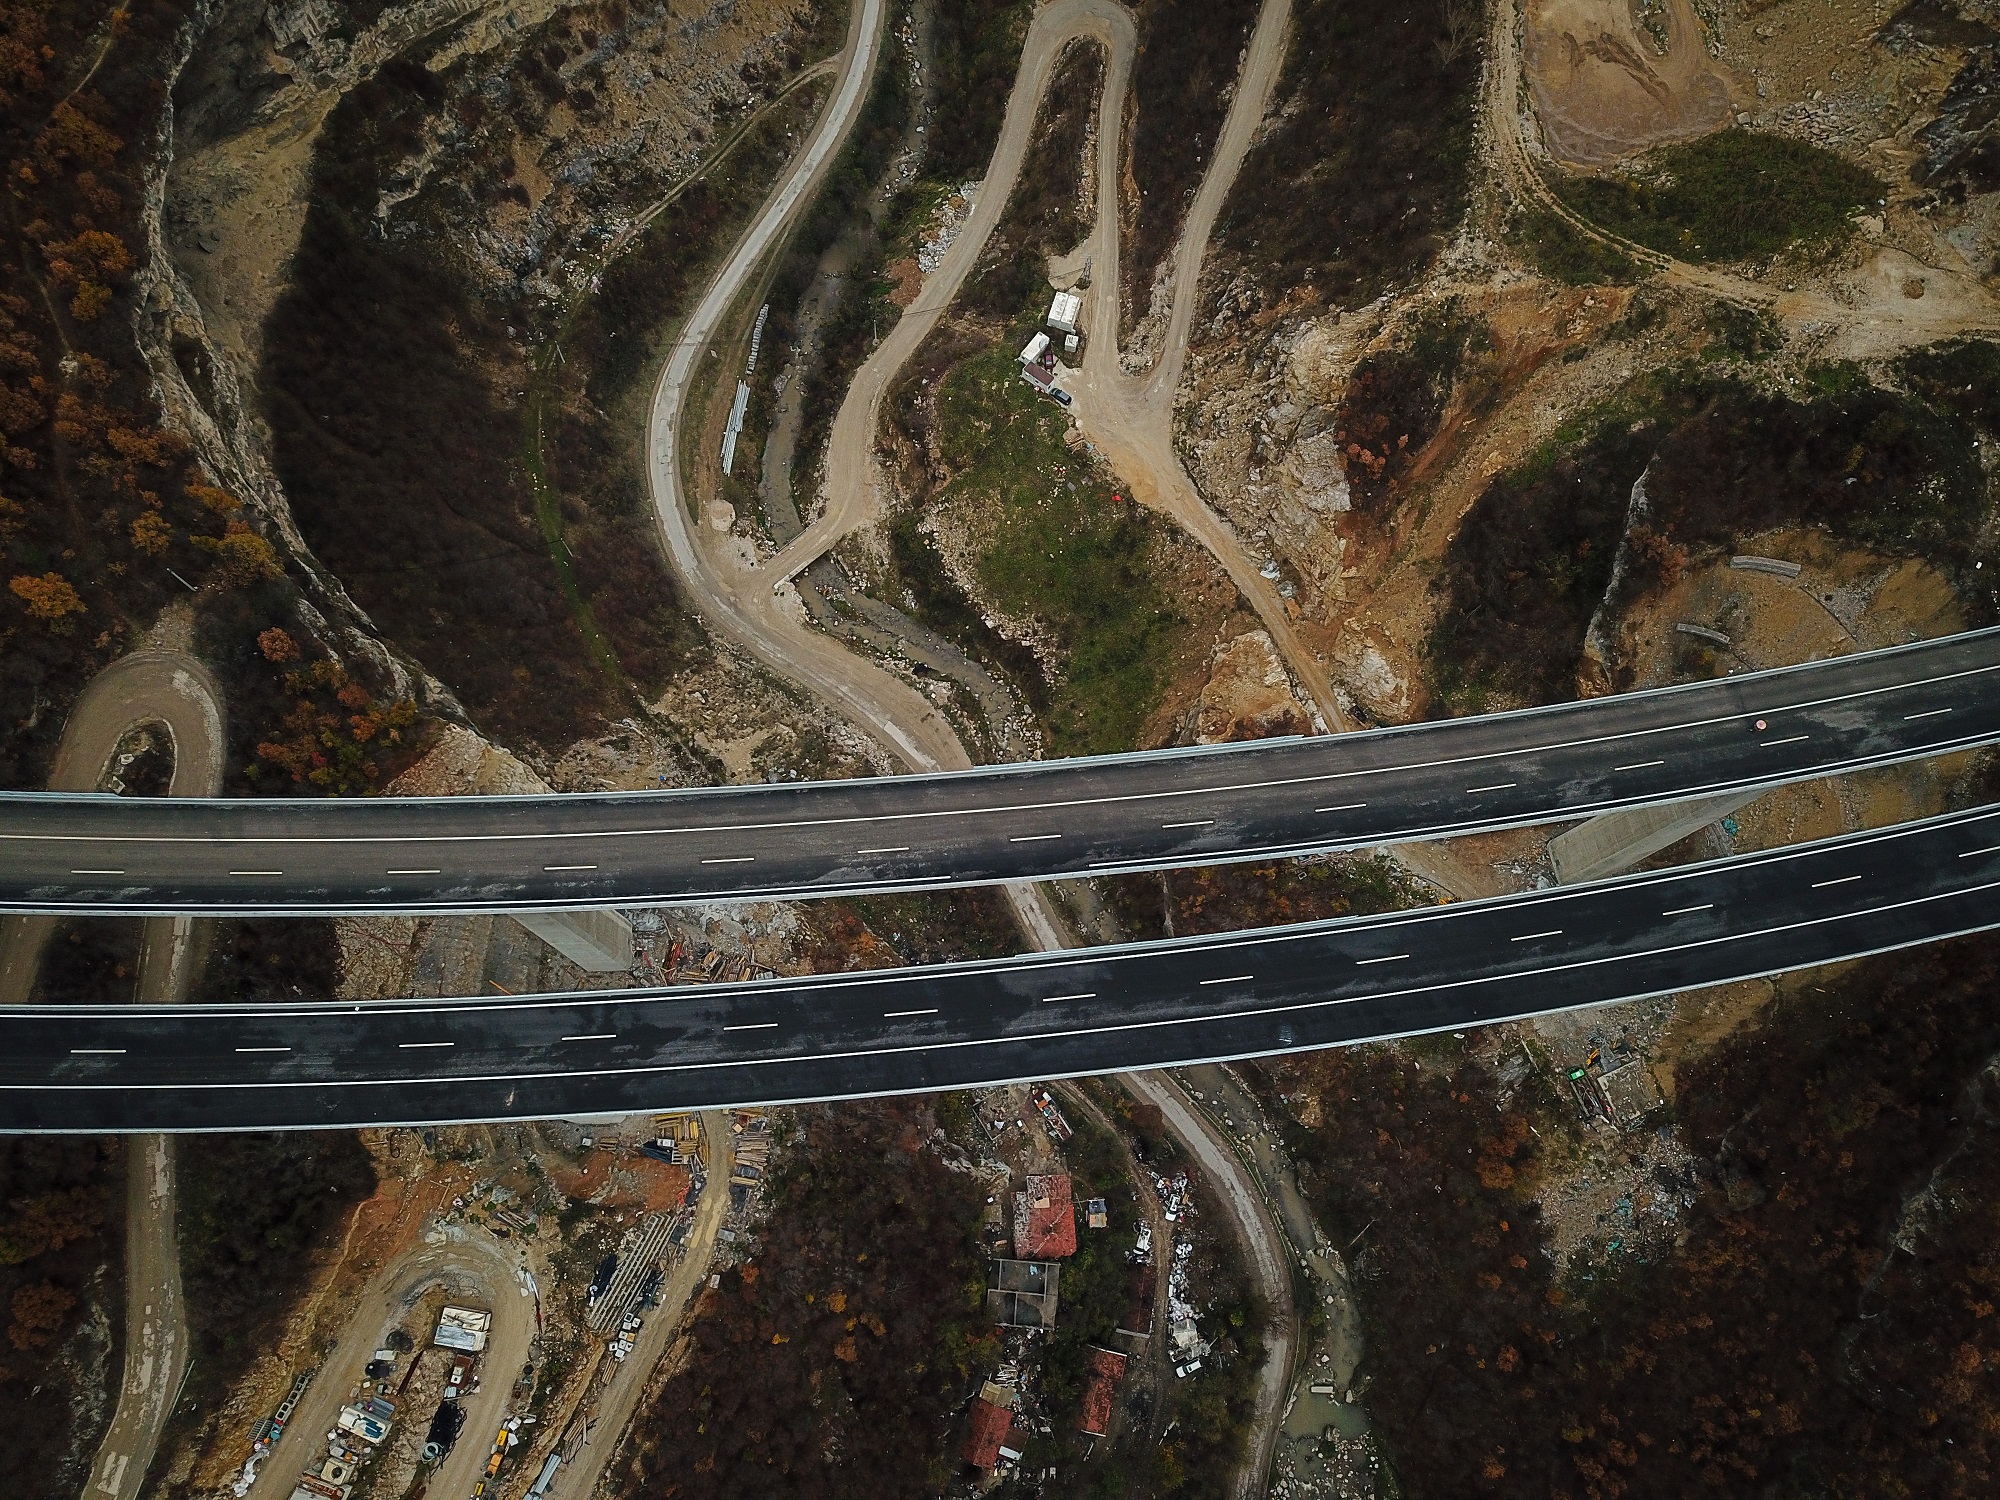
(1824, 1325)
(1563, 253)
(401, 459)
(1728, 196)
(976, 51)
(100, 507)
(269, 958)
(60, 1248)
(1363, 170)
(1724, 461)
(1187, 63)
(1962, 378)
(830, 1363)
(256, 1211)
(1044, 216)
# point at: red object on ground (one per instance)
(990, 1426)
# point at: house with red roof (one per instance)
(990, 1425)
(1045, 1219)
(1101, 1378)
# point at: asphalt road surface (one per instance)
(1045, 819)
(1039, 1016)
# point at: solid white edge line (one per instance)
(1259, 938)
(1802, 706)
(961, 1044)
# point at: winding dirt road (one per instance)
(174, 692)
(474, 1267)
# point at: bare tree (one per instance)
(1461, 27)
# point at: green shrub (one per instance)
(1728, 196)
(1062, 551)
(1562, 253)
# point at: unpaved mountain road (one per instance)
(1870, 320)
(174, 692)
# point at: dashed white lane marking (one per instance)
(263, 1049)
(593, 1036)
(1230, 979)
(1498, 786)
(1081, 995)
(1529, 937)
(97, 1052)
(1929, 713)
(1032, 838)
(732, 859)
(414, 1046)
(414, 872)
(1989, 849)
(1387, 958)
(1773, 744)
(887, 849)
(1682, 911)
(1640, 765)
(1341, 807)
(1191, 823)
(97, 872)
(563, 869)
(752, 1026)
(256, 872)
(1820, 885)
(892, 1015)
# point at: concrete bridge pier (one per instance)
(598, 942)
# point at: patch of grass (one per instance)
(1728, 196)
(1562, 253)
(1062, 551)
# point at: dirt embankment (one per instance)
(1610, 78)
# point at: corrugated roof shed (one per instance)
(1106, 1369)
(1048, 1230)
(990, 1426)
